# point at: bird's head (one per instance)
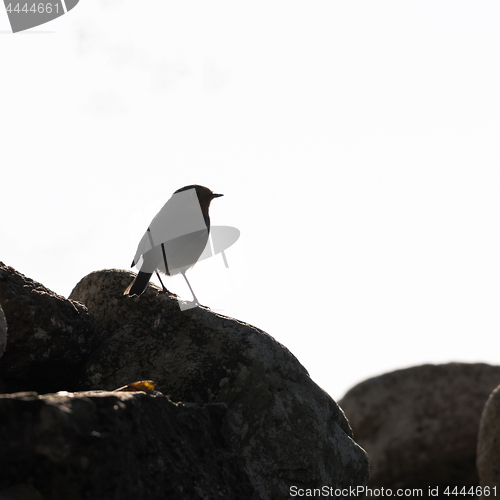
(205, 195)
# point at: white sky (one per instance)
(356, 143)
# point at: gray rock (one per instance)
(3, 332)
(49, 335)
(419, 425)
(287, 430)
(115, 446)
(488, 443)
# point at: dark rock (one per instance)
(20, 492)
(419, 426)
(3, 332)
(49, 335)
(116, 446)
(287, 430)
(488, 443)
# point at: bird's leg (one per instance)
(194, 296)
(166, 269)
(164, 289)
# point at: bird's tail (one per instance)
(139, 284)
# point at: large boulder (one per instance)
(287, 430)
(488, 443)
(419, 426)
(115, 446)
(49, 335)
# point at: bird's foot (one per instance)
(197, 304)
(186, 304)
(167, 292)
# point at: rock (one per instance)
(116, 446)
(20, 492)
(419, 425)
(488, 443)
(49, 335)
(3, 332)
(286, 429)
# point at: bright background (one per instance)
(356, 143)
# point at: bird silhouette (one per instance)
(175, 239)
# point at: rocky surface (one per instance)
(255, 424)
(115, 446)
(488, 443)
(285, 428)
(49, 335)
(3, 332)
(419, 426)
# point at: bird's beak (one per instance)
(217, 195)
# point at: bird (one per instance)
(175, 239)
